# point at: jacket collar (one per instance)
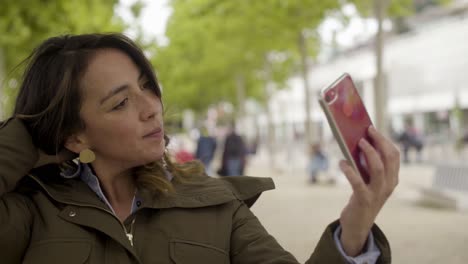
(208, 191)
(198, 191)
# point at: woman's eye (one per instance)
(147, 85)
(121, 104)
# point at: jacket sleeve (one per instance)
(326, 248)
(17, 156)
(251, 243)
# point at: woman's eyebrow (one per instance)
(113, 92)
(119, 89)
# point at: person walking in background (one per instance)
(253, 147)
(183, 156)
(318, 161)
(178, 146)
(234, 154)
(206, 147)
(411, 138)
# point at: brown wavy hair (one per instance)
(50, 98)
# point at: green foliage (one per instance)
(396, 8)
(443, 2)
(213, 41)
(400, 8)
(137, 7)
(26, 23)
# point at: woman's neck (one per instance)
(119, 187)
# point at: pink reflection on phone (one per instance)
(352, 121)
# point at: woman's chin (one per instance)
(146, 157)
(152, 158)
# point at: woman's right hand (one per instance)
(62, 156)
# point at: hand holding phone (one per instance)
(348, 119)
(350, 123)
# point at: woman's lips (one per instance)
(157, 133)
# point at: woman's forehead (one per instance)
(109, 68)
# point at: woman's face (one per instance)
(121, 112)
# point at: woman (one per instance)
(122, 200)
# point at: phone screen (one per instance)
(348, 119)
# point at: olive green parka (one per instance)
(47, 219)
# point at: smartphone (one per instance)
(348, 120)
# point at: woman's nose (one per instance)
(149, 115)
(149, 107)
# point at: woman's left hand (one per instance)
(357, 218)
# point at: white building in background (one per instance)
(427, 76)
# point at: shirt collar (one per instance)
(85, 173)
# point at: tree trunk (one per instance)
(2, 84)
(309, 129)
(240, 87)
(271, 130)
(380, 91)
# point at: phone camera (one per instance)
(329, 96)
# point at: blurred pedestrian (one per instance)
(318, 162)
(179, 146)
(234, 154)
(206, 147)
(253, 146)
(411, 138)
(183, 156)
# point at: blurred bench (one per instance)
(449, 187)
(452, 177)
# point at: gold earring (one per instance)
(87, 156)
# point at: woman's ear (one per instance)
(76, 143)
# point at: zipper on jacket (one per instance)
(129, 235)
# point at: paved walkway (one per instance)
(296, 213)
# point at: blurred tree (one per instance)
(218, 48)
(396, 8)
(229, 50)
(26, 23)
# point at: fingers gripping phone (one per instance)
(348, 120)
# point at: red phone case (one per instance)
(348, 119)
